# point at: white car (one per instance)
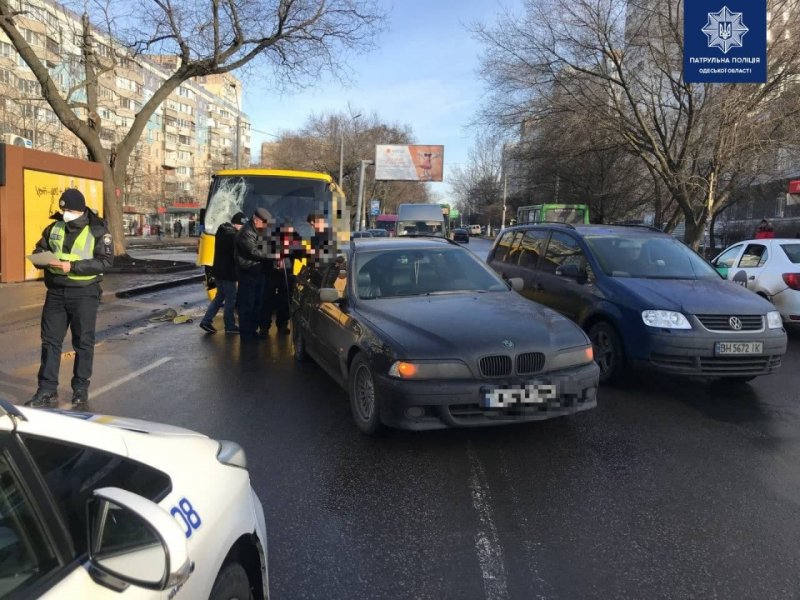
(769, 267)
(102, 507)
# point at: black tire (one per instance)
(364, 402)
(231, 584)
(608, 352)
(299, 344)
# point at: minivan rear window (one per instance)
(792, 251)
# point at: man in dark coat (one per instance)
(82, 245)
(224, 272)
(253, 261)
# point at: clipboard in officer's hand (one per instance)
(42, 259)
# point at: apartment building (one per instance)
(200, 128)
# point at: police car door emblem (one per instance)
(508, 344)
(725, 30)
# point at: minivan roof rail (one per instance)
(570, 225)
(640, 225)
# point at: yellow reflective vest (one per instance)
(82, 249)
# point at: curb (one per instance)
(156, 287)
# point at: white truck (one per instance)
(422, 219)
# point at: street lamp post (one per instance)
(341, 150)
(505, 194)
(238, 123)
(360, 204)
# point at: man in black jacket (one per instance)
(224, 272)
(83, 249)
(253, 261)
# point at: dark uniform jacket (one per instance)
(252, 255)
(103, 257)
(225, 253)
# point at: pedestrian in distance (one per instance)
(253, 262)
(178, 228)
(83, 249)
(764, 230)
(224, 272)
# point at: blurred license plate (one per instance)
(739, 348)
(531, 393)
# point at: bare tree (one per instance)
(620, 62)
(317, 147)
(294, 40)
(476, 185)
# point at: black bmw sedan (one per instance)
(423, 335)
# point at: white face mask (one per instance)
(71, 216)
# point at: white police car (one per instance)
(104, 507)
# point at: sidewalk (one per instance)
(182, 271)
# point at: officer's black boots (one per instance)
(80, 397)
(42, 399)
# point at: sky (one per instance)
(422, 74)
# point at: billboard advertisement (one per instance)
(409, 163)
(42, 191)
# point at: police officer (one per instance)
(82, 245)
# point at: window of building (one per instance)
(53, 46)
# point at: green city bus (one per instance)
(574, 214)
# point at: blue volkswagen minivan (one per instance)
(644, 299)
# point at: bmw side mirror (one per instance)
(133, 541)
(517, 283)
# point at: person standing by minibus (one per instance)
(83, 249)
(253, 261)
(224, 272)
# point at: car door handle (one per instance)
(751, 278)
(538, 287)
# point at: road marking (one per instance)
(487, 541)
(130, 376)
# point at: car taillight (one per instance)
(792, 280)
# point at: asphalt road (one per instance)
(669, 489)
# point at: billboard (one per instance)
(409, 163)
(42, 191)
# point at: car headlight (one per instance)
(571, 357)
(451, 369)
(774, 320)
(666, 319)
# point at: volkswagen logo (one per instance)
(735, 323)
(509, 344)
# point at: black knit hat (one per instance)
(238, 219)
(72, 199)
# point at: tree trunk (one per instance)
(694, 230)
(112, 211)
